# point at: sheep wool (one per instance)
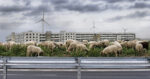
(31, 49)
(139, 47)
(110, 49)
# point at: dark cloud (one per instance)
(140, 5)
(80, 7)
(137, 14)
(13, 8)
(38, 10)
(115, 1)
(8, 26)
(58, 2)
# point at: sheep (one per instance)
(9, 44)
(77, 46)
(30, 43)
(110, 49)
(72, 46)
(31, 49)
(145, 44)
(68, 42)
(139, 47)
(119, 50)
(99, 44)
(49, 44)
(81, 47)
(59, 44)
(85, 42)
(106, 43)
(93, 44)
(115, 48)
(124, 44)
(131, 44)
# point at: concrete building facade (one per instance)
(62, 36)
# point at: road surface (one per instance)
(72, 75)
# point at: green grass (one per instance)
(18, 50)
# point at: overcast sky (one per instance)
(75, 16)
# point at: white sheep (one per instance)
(31, 49)
(59, 44)
(72, 46)
(49, 44)
(77, 46)
(81, 47)
(116, 48)
(131, 44)
(110, 49)
(85, 42)
(119, 50)
(30, 43)
(9, 44)
(139, 47)
(106, 43)
(92, 44)
(68, 42)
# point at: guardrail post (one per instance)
(4, 68)
(79, 68)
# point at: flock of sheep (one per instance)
(115, 47)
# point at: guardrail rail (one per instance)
(73, 63)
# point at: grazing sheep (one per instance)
(81, 47)
(59, 44)
(119, 50)
(31, 49)
(106, 43)
(9, 44)
(85, 42)
(120, 41)
(110, 49)
(131, 44)
(139, 47)
(145, 44)
(30, 43)
(77, 46)
(124, 44)
(49, 44)
(72, 46)
(68, 42)
(116, 48)
(93, 44)
(99, 44)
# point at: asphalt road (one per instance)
(72, 75)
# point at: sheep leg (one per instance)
(38, 54)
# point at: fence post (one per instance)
(79, 68)
(4, 68)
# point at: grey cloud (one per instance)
(38, 10)
(81, 8)
(58, 2)
(13, 8)
(115, 1)
(8, 26)
(137, 14)
(140, 5)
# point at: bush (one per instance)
(94, 52)
(20, 50)
(128, 52)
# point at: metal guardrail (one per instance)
(72, 63)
